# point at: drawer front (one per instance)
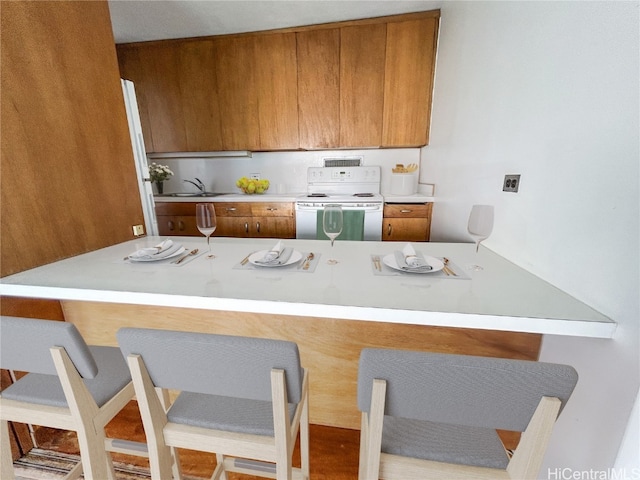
(276, 209)
(410, 210)
(176, 208)
(233, 209)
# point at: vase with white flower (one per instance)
(158, 174)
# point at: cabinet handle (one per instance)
(246, 227)
(230, 209)
(389, 230)
(405, 211)
(171, 225)
(181, 225)
(271, 209)
(258, 227)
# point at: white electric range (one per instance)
(352, 187)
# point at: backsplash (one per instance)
(286, 171)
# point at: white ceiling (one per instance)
(144, 20)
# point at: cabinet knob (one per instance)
(389, 230)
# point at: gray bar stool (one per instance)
(427, 415)
(244, 399)
(71, 386)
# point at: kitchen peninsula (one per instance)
(331, 311)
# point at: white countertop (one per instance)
(414, 198)
(232, 197)
(502, 296)
(282, 197)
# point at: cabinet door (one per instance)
(277, 89)
(182, 225)
(408, 82)
(319, 88)
(233, 227)
(237, 95)
(362, 60)
(199, 93)
(132, 68)
(273, 227)
(405, 229)
(164, 100)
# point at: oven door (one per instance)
(306, 220)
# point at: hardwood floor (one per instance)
(333, 451)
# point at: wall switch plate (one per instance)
(511, 183)
(254, 176)
(138, 230)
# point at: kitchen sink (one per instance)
(202, 194)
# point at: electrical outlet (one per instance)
(511, 183)
(254, 176)
(138, 230)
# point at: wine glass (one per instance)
(332, 224)
(480, 225)
(206, 220)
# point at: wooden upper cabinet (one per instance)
(164, 100)
(362, 64)
(319, 88)
(277, 87)
(361, 83)
(199, 92)
(408, 83)
(132, 68)
(237, 92)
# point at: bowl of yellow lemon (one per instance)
(252, 185)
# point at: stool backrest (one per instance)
(25, 346)
(214, 364)
(460, 389)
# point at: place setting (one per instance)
(166, 252)
(409, 261)
(280, 256)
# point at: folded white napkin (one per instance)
(278, 255)
(151, 252)
(274, 253)
(408, 259)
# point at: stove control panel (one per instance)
(369, 174)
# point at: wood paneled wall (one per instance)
(68, 183)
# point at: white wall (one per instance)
(550, 90)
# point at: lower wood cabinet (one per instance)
(409, 222)
(234, 219)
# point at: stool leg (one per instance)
(96, 462)
(6, 467)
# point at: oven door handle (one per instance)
(306, 208)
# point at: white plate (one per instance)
(296, 256)
(171, 252)
(436, 264)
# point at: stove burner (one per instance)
(316, 195)
(363, 194)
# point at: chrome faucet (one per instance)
(200, 186)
